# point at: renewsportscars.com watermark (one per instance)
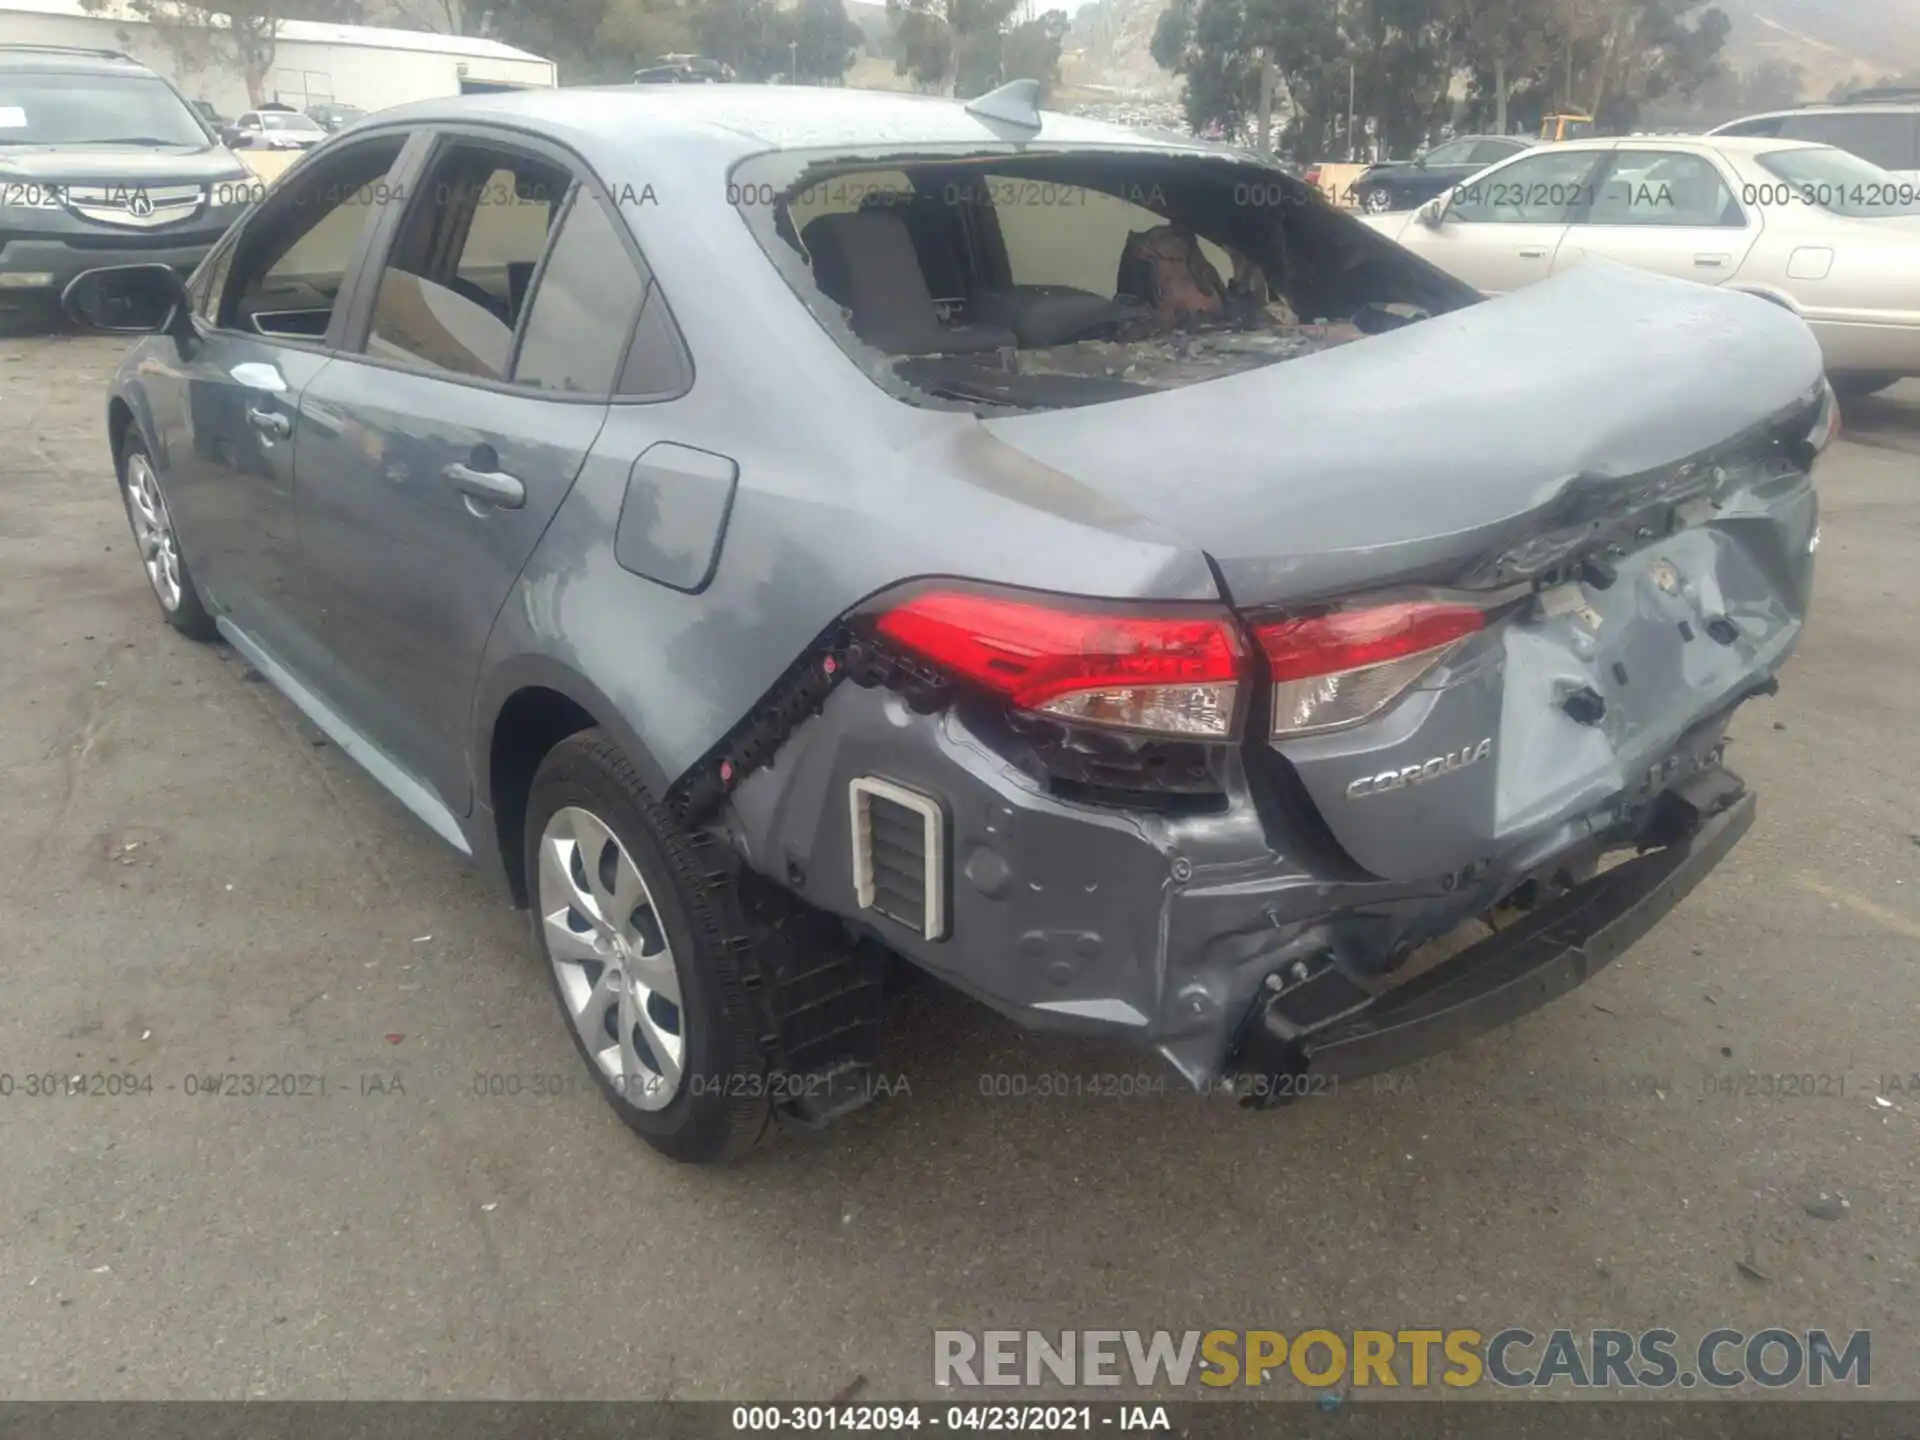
(1513, 1358)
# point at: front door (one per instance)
(1500, 230)
(266, 307)
(433, 459)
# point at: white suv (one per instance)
(1873, 125)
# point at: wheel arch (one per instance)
(1771, 296)
(130, 411)
(529, 705)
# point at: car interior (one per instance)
(460, 269)
(956, 271)
(294, 259)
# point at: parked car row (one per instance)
(1880, 126)
(1809, 227)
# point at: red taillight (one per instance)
(1170, 676)
(1348, 639)
(1336, 669)
(1311, 175)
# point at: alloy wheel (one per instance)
(153, 530)
(1378, 202)
(612, 959)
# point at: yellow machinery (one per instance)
(1566, 127)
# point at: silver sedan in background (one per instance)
(1815, 229)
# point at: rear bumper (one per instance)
(1167, 931)
(1517, 970)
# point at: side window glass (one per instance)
(657, 364)
(1769, 127)
(456, 281)
(1884, 140)
(1454, 152)
(584, 309)
(292, 256)
(1649, 188)
(1491, 152)
(1539, 190)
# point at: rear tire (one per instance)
(649, 951)
(1377, 201)
(158, 545)
(1860, 384)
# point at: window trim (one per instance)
(1584, 216)
(398, 174)
(538, 278)
(432, 136)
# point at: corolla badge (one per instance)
(1423, 772)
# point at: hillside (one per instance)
(1830, 39)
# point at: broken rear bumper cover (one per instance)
(1514, 971)
(1194, 934)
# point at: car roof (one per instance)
(766, 117)
(1860, 107)
(1726, 144)
(55, 59)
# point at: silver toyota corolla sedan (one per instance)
(1817, 230)
(788, 535)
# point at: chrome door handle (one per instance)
(269, 422)
(493, 488)
(1534, 252)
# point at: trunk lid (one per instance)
(1605, 459)
(1415, 453)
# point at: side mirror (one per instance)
(131, 300)
(1432, 214)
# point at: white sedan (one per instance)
(1822, 232)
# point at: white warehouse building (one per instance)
(313, 63)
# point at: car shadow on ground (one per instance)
(1887, 421)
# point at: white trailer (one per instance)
(313, 63)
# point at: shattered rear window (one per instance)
(1038, 281)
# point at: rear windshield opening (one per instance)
(1039, 282)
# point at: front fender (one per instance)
(130, 390)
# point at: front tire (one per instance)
(158, 544)
(648, 948)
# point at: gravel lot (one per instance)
(192, 883)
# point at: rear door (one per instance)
(1502, 228)
(1672, 212)
(490, 338)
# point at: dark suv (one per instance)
(107, 163)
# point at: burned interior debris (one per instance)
(946, 275)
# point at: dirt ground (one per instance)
(192, 884)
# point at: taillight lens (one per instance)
(1164, 676)
(1336, 669)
